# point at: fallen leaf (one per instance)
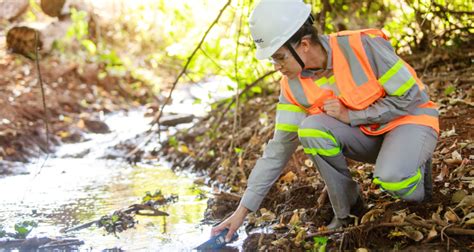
(288, 177)
(469, 223)
(267, 215)
(63, 134)
(466, 204)
(450, 216)
(443, 173)
(444, 150)
(433, 233)
(371, 215)
(183, 149)
(458, 196)
(295, 218)
(456, 156)
(396, 233)
(280, 242)
(451, 132)
(451, 161)
(437, 218)
(414, 235)
(468, 220)
(300, 236)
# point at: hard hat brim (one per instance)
(265, 53)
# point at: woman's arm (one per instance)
(403, 95)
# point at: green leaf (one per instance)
(90, 46)
(197, 101)
(256, 89)
(449, 89)
(320, 243)
(211, 153)
(173, 142)
(238, 150)
(115, 218)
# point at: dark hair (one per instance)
(306, 29)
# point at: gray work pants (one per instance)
(398, 155)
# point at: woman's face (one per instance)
(284, 62)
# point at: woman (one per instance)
(342, 95)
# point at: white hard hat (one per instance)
(273, 22)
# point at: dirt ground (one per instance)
(76, 100)
(296, 207)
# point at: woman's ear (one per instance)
(305, 44)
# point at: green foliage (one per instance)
(320, 243)
(79, 28)
(22, 229)
(146, 37)
(412, 25)
(173, 141)
(157, 196)
(238, 150)
(449, 90)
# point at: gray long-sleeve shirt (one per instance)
(278, 151)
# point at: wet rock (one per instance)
(96, 126)
(173, 120)
(74, 137)
(78, 155)
(12, 168)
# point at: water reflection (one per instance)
(71, 191)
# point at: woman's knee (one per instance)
(400, 182)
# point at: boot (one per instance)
(357, 209)
(428, 180)
(337, 223)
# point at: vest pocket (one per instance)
(362, 96)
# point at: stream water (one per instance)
(71, 191)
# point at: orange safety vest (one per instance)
(356, 93)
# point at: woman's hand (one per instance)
(232, 223)
(335, 108)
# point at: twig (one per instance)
(236, 77)
(156, 118)
(368, 226)
(160, 112)
(45, 109)
(409, 222)
(247, 88)
(133, 208)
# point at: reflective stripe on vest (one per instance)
(305, 93)
(354, 76)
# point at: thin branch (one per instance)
(247, 88)
(45, 109)
(409, 222)
(236, 77)
(156, 119)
